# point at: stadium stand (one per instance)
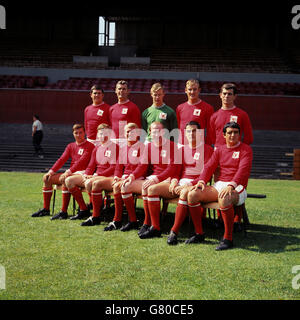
(144, 85)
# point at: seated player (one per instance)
(235, 161)
(129, 158)
(98, 176)
(158, 159)
(80, 152)
(194, 155)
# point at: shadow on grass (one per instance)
(273, 239)
(258, 238)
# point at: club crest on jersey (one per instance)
(163, 116)
(134, 153)
(107, 153)
(124, 110)
(80, 152)
(163, 153)
(236, 155)
(197, 112)
(100, 113)
(233, 118)
(196, 156)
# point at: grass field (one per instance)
(46, 259)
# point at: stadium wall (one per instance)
(66, 107)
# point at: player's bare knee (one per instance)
(193, 197)
(184, 194)
(151, 190)
(68, 183)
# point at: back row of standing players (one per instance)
(122, 117)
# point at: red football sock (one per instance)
(228, 217)
(47, 194)
(97, 203)
(129, 203)
(180, 215)
(118, 207)
(66, 196)
(77, 194)
(90, 197)
(238, 213)
(203, 213)
(196, 212)
(154, 209)
(147, 219)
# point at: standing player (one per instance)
(227, 113)
(235, 161)
(96, 113)
(129, 159)
(159, 111)
(97, 176)
(194, 109)
(123, 111)
(158, 160)
(80, 152)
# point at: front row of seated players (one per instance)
(235, 161)
(80, 153)
(169, 172)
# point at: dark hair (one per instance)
(77, 126)
(36, 116)
(96, 87)
(193, 123)
(233, 125)
(229, 86)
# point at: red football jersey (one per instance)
(80, 155)
(200, 112)
(129, 159)
(93, 116)
(103, 160)
(235, 165)
(193, 160)
(221, 117)
(161, 161)
(121, 114)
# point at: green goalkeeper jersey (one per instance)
(164, 114)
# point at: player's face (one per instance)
(191, 133)
(232, 136)
(131, 134)
(192, 91)
(227, 97)
(97, 96)
(79, 135)
(158, 97)
(122, 91)
(157, 131)
(103, 135)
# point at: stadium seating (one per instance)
(144, 85)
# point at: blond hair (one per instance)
(103, 126)
(156, 86)
(131, 125)
(191, 82)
